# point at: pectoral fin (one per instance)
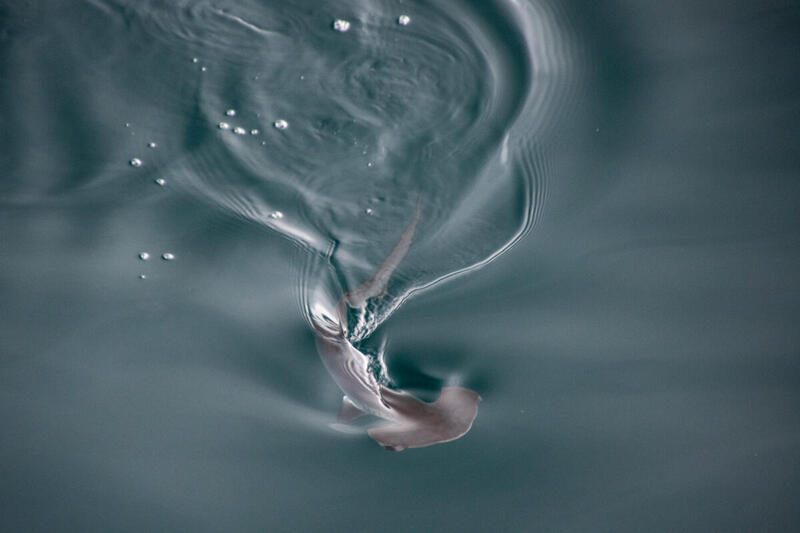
(349, 411)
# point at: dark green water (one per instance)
(607, 253)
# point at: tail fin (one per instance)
(423, 424)
(377, 283)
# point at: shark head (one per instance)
(418, 424)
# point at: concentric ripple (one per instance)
(444, 111)
(336, 136)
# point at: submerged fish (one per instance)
(409, 422)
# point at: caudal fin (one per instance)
(377, 284)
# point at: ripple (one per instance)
(442, 105)
(446, 115)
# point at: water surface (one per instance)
(607, 253)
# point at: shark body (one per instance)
(409, 422)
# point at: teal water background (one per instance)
(636, 348)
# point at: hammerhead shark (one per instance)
(408, 421)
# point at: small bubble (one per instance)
(263, 143)
(160, 181)
(136, 162)
(231, 112)
(368, 210)
(224, 126)
(203, 69)
(142, 276)
(276, 214)
(369, 164)
(166, 256)
(254, 132)
(151, 144)
(281, 124)
(341, 25)
(302, 77)
(144, 256)
(127, 124)
(238, 130)
(195, 60)
(404, 20)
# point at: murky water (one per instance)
(605, 248)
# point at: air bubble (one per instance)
(276, 215)
(224, 126)
(281, 124)
(144, 256)
(142, 276)
(160, 181)
(231, 112)
(368, 210)
(404, 20)
(203, 69)
(238, 130)
(254, 132)
(136, 162)
(195, 60)
(167, 256)
(341, 25)
(151, 144)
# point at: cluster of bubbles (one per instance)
(145, 256)
(196, 60)
(342, 25)
(279, 124)
(137, 162)
(166, 256)
(240, 130)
